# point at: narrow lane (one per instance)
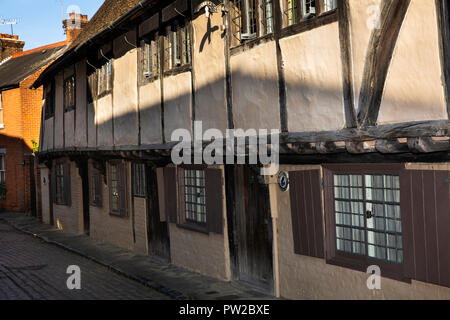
(33, 269)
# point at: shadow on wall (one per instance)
(17, 171)
(309, 108)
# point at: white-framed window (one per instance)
(251, 19)
(295, 11)
(177, 47)
(151, 57)
(104, 77)
(367, 215)
(195, 196)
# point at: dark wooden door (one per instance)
(252, 224)
(158, 233)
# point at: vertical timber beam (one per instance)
(281, 78)
(378, 59)
(347, 67)
(227, 39)
(443, 17)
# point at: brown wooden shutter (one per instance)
(170, 195)
(425, 212)
(306, 212)
(67, 188)
(181, 209)
(161, 194)
(123, 189)
(214, 200)
(53, 182)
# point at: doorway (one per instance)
(250, 227)
(157, 231)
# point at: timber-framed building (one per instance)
(359, 91)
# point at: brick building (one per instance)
(20, 115)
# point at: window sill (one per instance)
(194, 227)
(61, 204)
(306, 25)
(117, 215)
(68, 109)
(2, 126)
(95, 205)
(361, 263)
(249, 44)
(103, 94)
(146, 80)
(177, 70)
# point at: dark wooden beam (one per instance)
(284, 125)
(355, 147)
(347, 66)
(438, 128)
(374, 157)
(391, 146)
(427, 145)
(326, 147)
(378, 59)
(300, 142)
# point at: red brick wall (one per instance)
(22, 118)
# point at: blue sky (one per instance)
(41, 20)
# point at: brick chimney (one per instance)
(74, 25)
(9, 45)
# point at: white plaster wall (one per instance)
(70, 218)
(45, 194)
(126, 127)
(112, 229)
(140, 225)
(103, 119)
(177, 103)
(69, 129)
(91, 125)
(254, 79)
(209, 73)
(207, 254)
(150, 111)
(48, 134)
(414, 86)
(313, 73)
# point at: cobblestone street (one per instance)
(32, 269)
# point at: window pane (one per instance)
(195, 195)
(367, 212)
(329, 5)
